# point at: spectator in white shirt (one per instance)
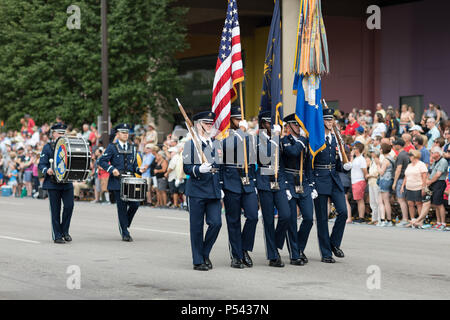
(358, 175)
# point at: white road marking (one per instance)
(18, 239)
(173, 218)
(162, 231)
(12, 203)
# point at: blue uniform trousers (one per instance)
(268, 201)
(199, 208)
(321, 204)
(126, 211)
(296, 240)
(234, 203)
(60, 227)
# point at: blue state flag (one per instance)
(272, 90)
(308, 110)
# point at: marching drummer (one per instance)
(119, 159)
(57, 192)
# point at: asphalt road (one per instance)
(380, 263)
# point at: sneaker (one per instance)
(381, 223)
(388, 224)
(441, 227)
(402, 223)
(446, 229)
(426, 226)
(435, 226)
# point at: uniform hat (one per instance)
(205, 116)
(328, 114)
(123, 127)
(59, 127)
(265, 115)
(290, 119)
(236, 112)
(360, 129)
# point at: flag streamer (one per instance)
(311, 62)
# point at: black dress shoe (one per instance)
(201, 267)
(297, 262)
(328, 260)
(247, 260)
(276, 263)
(127, 238)
(337, 252)
(237, 263)
(208, 263)
(60, 240)
(303, 257)
(68, 238)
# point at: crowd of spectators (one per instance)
(20, 153)
(399, 176)
(399, 166)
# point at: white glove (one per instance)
(276, 129)
(205, 167)
(347, 166)
(314, 194)
(222, 194)
(243, 123)
(289, 195)
(256, 191)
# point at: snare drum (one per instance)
(133, 189)
(72, 159)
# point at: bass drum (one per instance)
(71, 159)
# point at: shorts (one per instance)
(12, 183)
(172, 188)
(398, 188)
(149, 182)
(438, 189)
(385, 185)
(346, 190)
(27, 176)
(414, 195)
(162, 184)
(359, 189)
(182, 187)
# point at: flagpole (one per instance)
(276, 151)
(245, 142)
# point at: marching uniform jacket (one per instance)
(44, 164)
(266, 161)
(233, 162)
(201, 185)
(292, 148)
(115, 157)
(327, 163)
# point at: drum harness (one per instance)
(125, 153)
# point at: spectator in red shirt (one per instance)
(30, 124)
(350, 130)
(408, 145)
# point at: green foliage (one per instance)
(46, 69)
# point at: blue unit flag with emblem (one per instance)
(272, 89)
(308, 110)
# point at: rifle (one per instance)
(190, 127)
(339, 138)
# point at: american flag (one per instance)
(229, 70)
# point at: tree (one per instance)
(46, 69)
